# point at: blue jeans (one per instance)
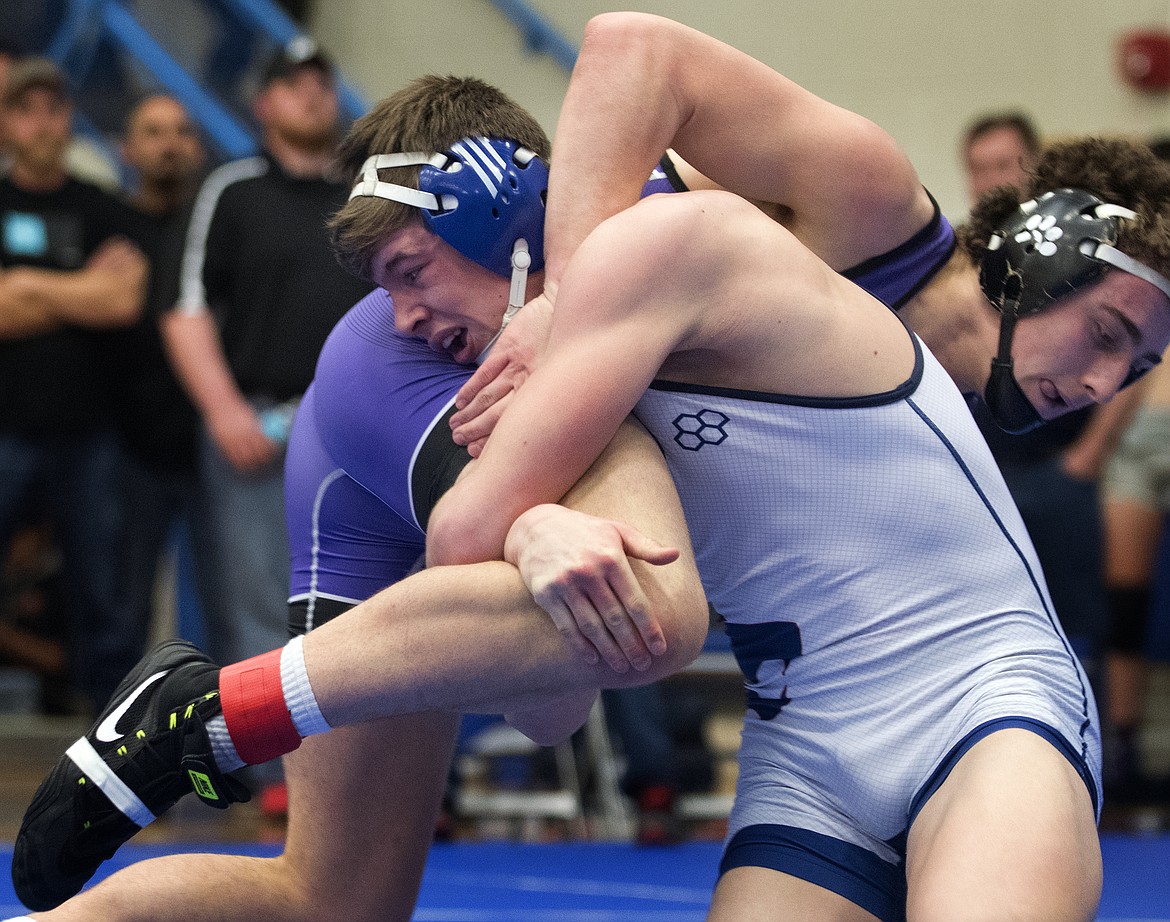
(76, 483)
(239, 547)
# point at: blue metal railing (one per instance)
(88, 22)
(271, 20)
(228, 134)
(539, 35)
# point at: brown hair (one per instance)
(1116, 170)
(1018, 122)
(429, 114)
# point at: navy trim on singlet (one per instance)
(1052, 620)
(901, 392)
(923, 240)
(849, 870)
(960, 749)
(856, 873)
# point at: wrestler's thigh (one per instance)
(363, 802)
(748, 894)
(630, 482)
(1010, 834)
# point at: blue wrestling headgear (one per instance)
(484, 197)
(1052, 246)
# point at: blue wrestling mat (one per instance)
(587, 882)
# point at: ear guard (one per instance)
(481, 197)
(1052, 246)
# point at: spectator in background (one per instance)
(159, 425)
(67, 275)
(256, 289)
(8, 56)
(161, 145)
(999, 150)
(1136, 500)
(660, 733)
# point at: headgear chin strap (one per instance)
(1009, 406)
(484, 197)
(1052, 246)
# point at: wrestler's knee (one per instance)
(555, 720)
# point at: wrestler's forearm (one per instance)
(608, 137)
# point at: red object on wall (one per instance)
(1144, 59)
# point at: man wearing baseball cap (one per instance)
(256, 289)
(29, 72)
(302, 51)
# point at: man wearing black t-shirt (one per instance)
(256, 291)
(67, 275)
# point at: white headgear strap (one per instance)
(521, 260)
(1107, 253)
(370, 185)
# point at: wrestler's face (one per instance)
(439, 295)
(1080, 350)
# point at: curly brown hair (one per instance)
(428, 114)
(1116, 170)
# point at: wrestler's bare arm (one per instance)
(643, 84)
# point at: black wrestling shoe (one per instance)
(147, 749)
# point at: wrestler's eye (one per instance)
(1104, 335)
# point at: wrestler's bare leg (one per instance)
(470, 638)
(1011, 834)
(470, 635)
(743, 890)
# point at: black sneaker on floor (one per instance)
(147, 749)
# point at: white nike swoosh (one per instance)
(107, 731)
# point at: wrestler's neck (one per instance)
(957, 323)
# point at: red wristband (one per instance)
(257, 718)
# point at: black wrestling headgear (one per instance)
(1050, 247)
